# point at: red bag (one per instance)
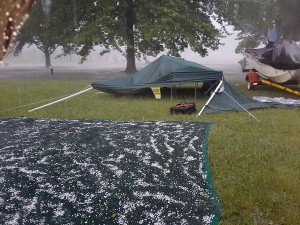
(183, 108)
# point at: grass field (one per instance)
(255, 165)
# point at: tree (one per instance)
(46, 29)
(253, 25)
(288, 19)
(139, 27)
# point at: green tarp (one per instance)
(165, 71)
(169, 71)
(105, 172)
(228, 99)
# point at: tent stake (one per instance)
(62, 99)
(211, 97)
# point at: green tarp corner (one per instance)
(165, 71)
(105, 172)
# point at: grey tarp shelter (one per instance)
(166, 71)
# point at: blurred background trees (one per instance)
(140, 28)
(253, 19)
(46, 29)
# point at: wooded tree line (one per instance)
(147, 27)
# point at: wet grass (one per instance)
(255, 164)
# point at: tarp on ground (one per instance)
(228, 99)
(105, 172)
(165, 71)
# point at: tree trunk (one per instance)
(130, 68)
(47, 59)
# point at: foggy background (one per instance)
(32, 58)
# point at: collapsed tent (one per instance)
(105, 172)
(227, 99)
(169, 71)
(166, 71)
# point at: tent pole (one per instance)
(195, 90)
(62, 99)
(211, 97)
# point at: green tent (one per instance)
(226, 98)
(169, 71)
(166, 71)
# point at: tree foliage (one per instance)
(288, 19)
(136, 27)
(254, 18)
(139, 27)
(46, 31)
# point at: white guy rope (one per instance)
(33, 103)
(241, 106)
(60, 100)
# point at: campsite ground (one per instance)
(254, 164)
(232, 72)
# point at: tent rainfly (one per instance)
(227, 99)
(166, 71)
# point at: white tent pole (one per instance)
(62, 99)
(196, 90)
(241, 106)
(211, 97)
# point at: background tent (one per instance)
(165, 71)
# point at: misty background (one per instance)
(224, 59)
